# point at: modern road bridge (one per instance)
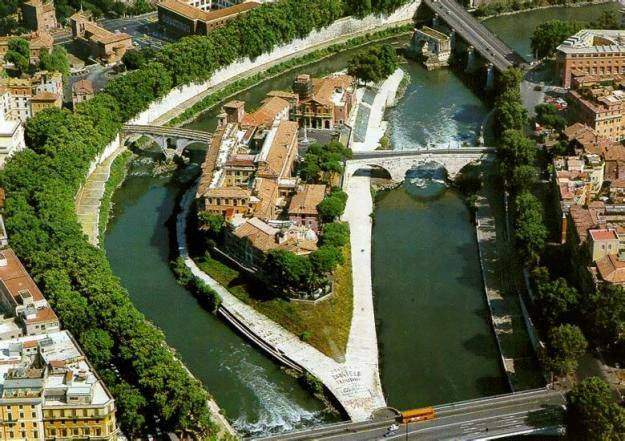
(537, 411)
(475, 33)
(398, 162)
(163, 135)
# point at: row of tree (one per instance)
(563, 315)
(150, 386)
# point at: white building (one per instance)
(11, 132)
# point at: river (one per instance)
(435, 341)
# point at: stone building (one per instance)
(82, 90)
(323, 102)
(591, 52)
(602, 112)
(106, 46)
(45, 100)
(180, 18)
(303, 206)
(39, 15)
(38, 42)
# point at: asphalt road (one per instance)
(485, 42)
(478, 419)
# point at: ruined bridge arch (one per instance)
(164, 136)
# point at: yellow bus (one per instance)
(415, 415)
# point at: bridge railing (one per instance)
(495, 398)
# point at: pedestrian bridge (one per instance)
(539, 411)
(398, 162)
(165, 136)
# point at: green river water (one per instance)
(436, 344)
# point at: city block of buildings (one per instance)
(38, 41)
(248, 174)
(39, 15)
(48, 389)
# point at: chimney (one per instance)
(563, 227)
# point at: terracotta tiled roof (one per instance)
(611, 269)
(45, 96)
(266, 113)
(261, 235)
(323, 88)
(280, 157)
(306, 199)
(267, 191)
(227, 192)
(603, 234)
(16, 279)
(194, 13)
(83, 87)
(210, 160)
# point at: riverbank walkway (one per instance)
(507, 318)
(354, 383)
(89, 198)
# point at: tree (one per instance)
(530, 231)
(556, 301)
(335, 234)
(99, 345)
(549, 35)
(213, 223)
(549, 116)
(607, 20)
(287, 273)
(592, 415)
(606, 317)
(374, 64)
(523, 177)
(135, 59)
(566, 344)
(18, 53)
(55, 61)
(323, 161)
(515, 150)
(131, 406)
(332, 206)
(325, 259)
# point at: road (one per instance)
(475, 33)
(490, 418)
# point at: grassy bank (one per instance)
(324, 325)
(249, 82)
(119, 167)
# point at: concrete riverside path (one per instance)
(506, 315)
(89, 198)
(355, 383)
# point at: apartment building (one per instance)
(39, 15)
(591, 52)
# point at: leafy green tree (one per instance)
(325, 259)
(374, 64)
(549, 35)
(523, 177)
(549, 116)
(592, 415)
(131, 407)
(515, 150)
(556, 301)
(287, 273)
(322, 161)
(606, 316)
(332, 206)
(530, 232)
(99, 345)
(335, 234)
(18, 53)
(607, 20)
(55, 61)
(137, 58)
(566, 344)
(213, 223)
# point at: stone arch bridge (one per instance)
(398, 162)
(164, 136)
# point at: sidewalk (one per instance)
(507, 318)
(90, 196)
